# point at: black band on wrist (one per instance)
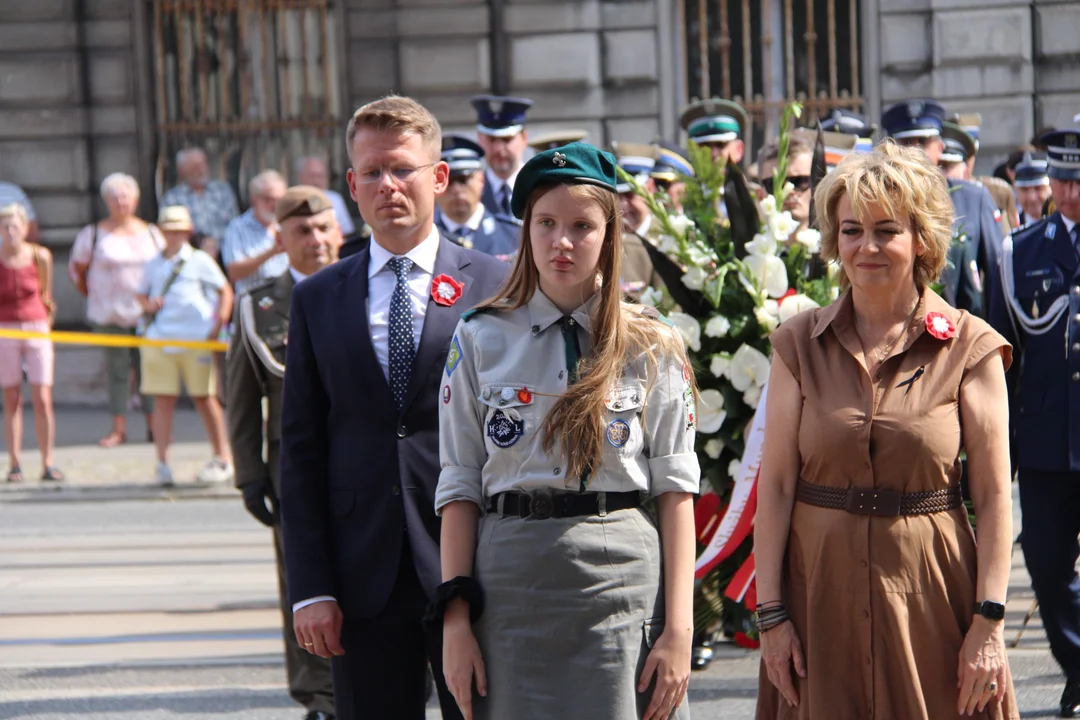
(466, 588)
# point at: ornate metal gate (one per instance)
(766, 53)
(254, 82)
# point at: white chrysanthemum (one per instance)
(680, 223)
(713, 448)
(749, 367)
(718, 326)
(689, 328)
(695, 278)
(761, 245)
(781, 226)
(752, 396)
(719, 365)
(794, 305)
(667, 244)
(711, 412)
(770, 273)
(768, 206)
(733, 468)
(766, 319)
(651, 296)
(811, 239)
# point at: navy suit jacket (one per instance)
(357, 475)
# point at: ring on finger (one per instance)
(992, 687)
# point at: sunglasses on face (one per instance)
(801, 183)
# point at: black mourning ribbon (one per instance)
(910, 382)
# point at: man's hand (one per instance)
(258, 496)
(318, 629)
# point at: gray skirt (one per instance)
(572, 606)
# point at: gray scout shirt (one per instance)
(504, 372)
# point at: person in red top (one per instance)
(26, 304)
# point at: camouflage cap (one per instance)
(301, 201)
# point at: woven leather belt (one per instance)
(544, 504)
(874, 501)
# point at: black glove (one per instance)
(260, 501)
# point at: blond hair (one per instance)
(15, 210)
(903, 182)
(577, 420)
(395, 113)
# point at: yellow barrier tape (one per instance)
(105, 340)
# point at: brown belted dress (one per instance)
(881, 604)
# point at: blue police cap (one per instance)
(959, 145)
(671, 163)
(1031, 171)
(463, 154)
(636, 159)
(1062, 154)
(848, 122)
(499, 116)
(914, 118)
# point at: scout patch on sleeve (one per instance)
(453, 357)
(503, 430)
(618, 433)
(446, 395)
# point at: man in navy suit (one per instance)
(367, 342)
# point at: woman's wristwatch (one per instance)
(990, 610)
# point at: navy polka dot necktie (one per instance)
(402, 342)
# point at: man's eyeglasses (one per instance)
(401, 174)
(801, 183)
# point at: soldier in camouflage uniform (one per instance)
(256, 366)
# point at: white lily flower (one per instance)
(667, 244)
(749, 368)
(768, 206)
(733, 468)
(772, 307)
(720, 365)
(762, 244)
(713, 448)
(794, 305)
(781, 226)
(718, 326)
(689, 328)
(770, 272)
(651, 296)
(752, 396)
(811, 239)
(711, 414)
(680, 223)
(697, 256)
(695, 278)
(766, 319)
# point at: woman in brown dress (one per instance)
(867, 567)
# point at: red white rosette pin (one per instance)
(939, 326)
(445, 290)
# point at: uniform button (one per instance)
(1076, 347)
(395, 490)
(1076, 289)
(556, 471)
(862, 563)
(402, 431)
(1076, 376)
(535, 329)
(1076, 317)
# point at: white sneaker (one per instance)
(163, 475)
(216, 471)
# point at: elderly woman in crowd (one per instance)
(875, 598)
(26, 304)
(106, 266)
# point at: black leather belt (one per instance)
(544, 504)
(884, 503)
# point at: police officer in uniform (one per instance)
(961, 137)
(500, 128)
(460, 214)
(556, 138)
(256, 366)
(1038, 311)
(639, 227)
(1032, 187)
(918, 123)
(669, 173)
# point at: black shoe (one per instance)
(1070, 699)
(316, 715)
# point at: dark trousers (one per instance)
(1050, 502)
(383, 673)
(310, 681)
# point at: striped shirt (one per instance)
(211, 210)
(246, 237)
(13, 194)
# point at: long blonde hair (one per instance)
(577, 420)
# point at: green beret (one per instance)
(574, 164)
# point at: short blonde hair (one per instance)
(397, 114)
(15, 210)
(902, 181)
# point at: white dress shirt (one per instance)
(473, 223)
(297, 276)
(381, 284)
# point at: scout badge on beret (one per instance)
(574, 164)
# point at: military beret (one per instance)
(301, 201)
(574, 164)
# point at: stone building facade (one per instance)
(79, 81)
